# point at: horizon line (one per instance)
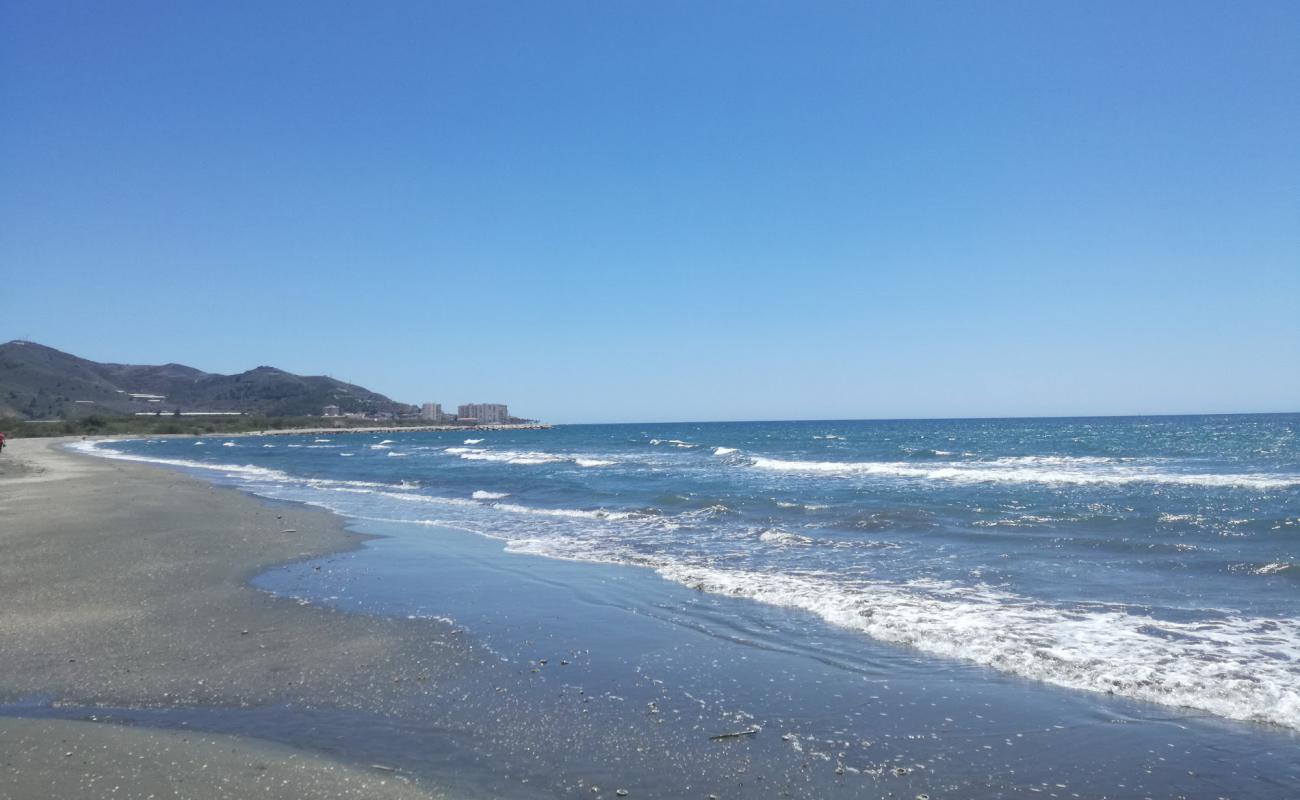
(945, 419)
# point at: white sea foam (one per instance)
(1030, 469)
(229, 444)
(482, 495)
(247, 472)
(320, 440)
(723, 451)
(243, 470)
(804, 506)
(395, 454)
(1237, 667)
(778, 536)
(473, 441)
(380, 446)
(525, 458)
(574, 513)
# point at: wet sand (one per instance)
(125, 586)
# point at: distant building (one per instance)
(484, 413)
(330, 411)
(431, 412)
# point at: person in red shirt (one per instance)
(2, 440)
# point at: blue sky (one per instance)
(665, 211)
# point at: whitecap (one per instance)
(778, 536)
(1030, 469)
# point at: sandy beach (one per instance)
(125, 586)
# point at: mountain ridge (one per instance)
(41, 382)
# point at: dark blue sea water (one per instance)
(1153, 559)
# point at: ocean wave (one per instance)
(1271, 568)
(245, 470)
(525, 458)
(778, 536)
(1236, 667)
(1030, 469)
(473, 441)
(804, 506)
(574, 513)
(724, 451)
(482, 495)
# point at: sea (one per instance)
(1042, 575)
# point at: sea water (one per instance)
(1153, 559)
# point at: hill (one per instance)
(39, 382)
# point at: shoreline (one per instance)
(382, 429)
(128, 586)
(642, 674)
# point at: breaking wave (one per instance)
(1029, 469)
(525, 458)
(1236, 667)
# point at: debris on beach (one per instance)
(734, 734)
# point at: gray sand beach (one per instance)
(126, 586)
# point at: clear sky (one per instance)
(608, 211)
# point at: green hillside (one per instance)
(39, 382)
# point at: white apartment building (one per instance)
(431, 412)
(485, 413)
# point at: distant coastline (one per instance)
(398, 429)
